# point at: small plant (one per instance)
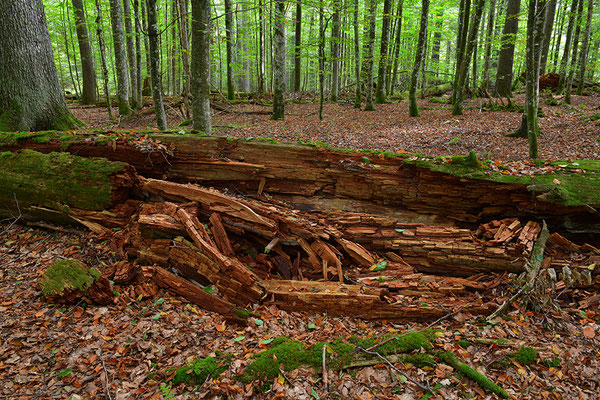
(526, 355)
(454, 140)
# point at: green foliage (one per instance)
(67, 274)
(469, 372)
(553, 363)
(199, 370)
(526, 355)
(463, 343)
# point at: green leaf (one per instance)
(258, 322)
(402, 379)
(116, 293)
(399, 230)
(314, 394)
(266, 341)
(156, 316)
(239, 338)
(159, 302)
(366, 159)
(209, 289)
(312, 326)
(583, 314)
(64, 373)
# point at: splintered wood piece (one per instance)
(312, 256)
(357, 252)
(213, 200)
(324, 251)
(271, 244)
(325, 277)
(261, 186)
(220, 235)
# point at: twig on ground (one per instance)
(15, 219)
(325, 378)
(106, 387)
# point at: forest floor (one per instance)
(568, 131)
(128, 350)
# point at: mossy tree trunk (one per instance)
(116, 18)
(159, 108)
(279, 61)
(504, 75)
(335, 50)
(88, 95)
(370, 55)
(31, 98)
(201, 65)
(298, 46)
(229, 48)
(138, 52)
(412, 94)
(383, 53)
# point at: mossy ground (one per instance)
(67, 275)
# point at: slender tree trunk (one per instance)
(550, 8)
(146, 45)
(488, 46)
(437, 37)
(321, 60)
(397, 46)
(298, 48)
(116, 17)
(357, 75)
(504, 74)
(242, 42)
(464, 13)
(571, 75)
(558, 35)
(371, 55)
(335, 50)
(201, 65)
(229, 41)
(585, 48)
(159, 108)
(31, 98)
(464, 66)
(135, 101)
(174, 35)
(567, 51)
(279, 60)
(185, 54)
(138, 53)
(67, 51)
(102, 47)
(412, 94)
(88, 95)
(261, 47)
(383, 52)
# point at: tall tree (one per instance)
(185, 53)
(242, 47)
(369, 57)
(489, 34)
(397, 45)
(464, 12)
(116, 18)
(463, 68)
(564, 62)
(279, 60)
(88, 73)
(383, 52)
(335, 51)
(131, 60)
(261, 48)
(31, 98)
(357, 75)
(100, 35)
(504, 74)
(298, 46)
(550, 11)
(571, 74)
(159, 108)
(229, 47)
(138, 52)
(201, 65)
(585, 48)
(412, 94)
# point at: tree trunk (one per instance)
(242, 47)
(463, 69)
(504, 74)
(102, 48)
(279, 60)
(585, 48)
(397, 46)
(131, 59)
(567, 51)
(489, 36)
(31, 98)
(155, 74)
(74, 79)
(464, 13)
(383, 52)
(412, 96)
(185, 54)
(201, 35)
(116, 18)
(88, 95)
(261, 48)
(574, 52)
(322, 28)
(335, 51)
(437, 37)
(229, 41)
(357, 74)
(547, 34)
(297, 47)
(138, 53)
(370, 56)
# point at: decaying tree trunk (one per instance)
(256, 248)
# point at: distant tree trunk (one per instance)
(242, 35)
(383, 52)
(145, 29)
(116, 18)
(100, 35)
(298, 47)
(184, 40)
(397, 46)
(321, 60)
(464, 12)
(88, 95)
(571, 75)
(488, 46)
(558, 34)
(412, 94)
(135, 101)
(261, 46)
(504, 74)
(437, 37)
(201, 65)
(279, 60)
(159, 108)
(567, 51)
(463, 69)
(138, 53)
(547, 33)
(74, 81)
(370, 55)
(335, 51)
(31, 98)
(229, 41)
(357, 75)
(585, 48)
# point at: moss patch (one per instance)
(67, 275)
(57, 179)
(525, 355)
(198, 371)
(470, 373)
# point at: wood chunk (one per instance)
(312, 256)
(357, 252)
(220, 235)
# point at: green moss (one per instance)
(553, 363)
(482, 380)
(285, 353)
(67, 274)
(401, 344)
(525, 355)
(198, 371)
(463, 343)
(56, 179)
